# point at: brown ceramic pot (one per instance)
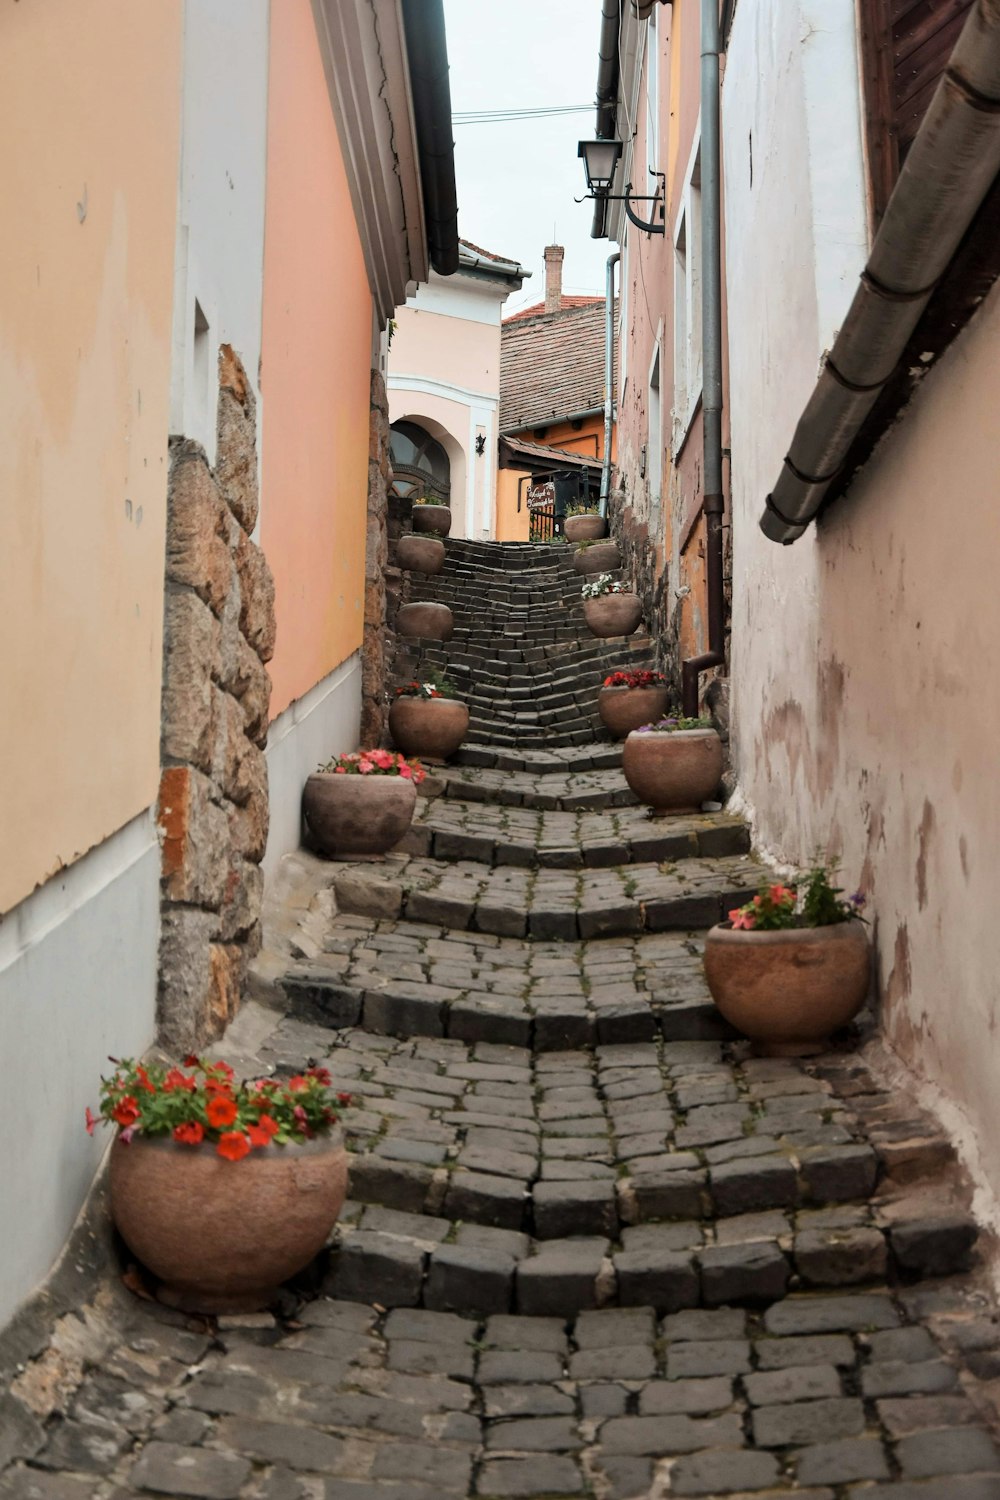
(420, 554)
(432, 728)
(354, 814)
(222, 1235)
(435, 519)
(613, 614)
(788, 990)
(586, 528)
(673, 772)
(623, 709)
(602, 557)
(429, 621)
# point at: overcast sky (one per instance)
(517, 179)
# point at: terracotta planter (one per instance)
(431, 622)
(420, 554)
(355, 814)
(585, 528)
(435, 519)
(673, 772)
(623, 709)
(602, 557)
(223, 1235)
(789, 990)
(613, 614)
(432, 728)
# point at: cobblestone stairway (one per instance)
(521, 655)
(593, 1248)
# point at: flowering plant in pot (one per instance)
(432, 516)
(792, 965)
(610, 607)
(596, 557)
(628, 699)
(583, 523)
(361, 803)
(427, 718)
(674, 764)
(222, 1189)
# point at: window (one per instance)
(687, 303)
(420, 465)
(905, 47)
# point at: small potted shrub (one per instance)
(628, 699)
(361, 803)
(792, 965)
(431, 517)
(223, 1190)
(674, 764)
(420, 554)
(610, 607)
(584, 524)
(427, 719)
(596, 557)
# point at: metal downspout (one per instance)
(607, 96)
(948, 171)
(713, 503)
(609, 377)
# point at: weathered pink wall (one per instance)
(315, 371)
(90, 99)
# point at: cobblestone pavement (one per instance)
(593, 1247)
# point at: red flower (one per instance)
(126, 1111)
(296, 1084)
(192, 1060)
(264, 1131)
(91, 1121)
(344, 1099)
(221, 1110)
(323, 1074)
(145, 1081)
(191, 1133)
(233, 1145)
(175, 1079)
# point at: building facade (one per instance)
(210, 247)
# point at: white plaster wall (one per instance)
(321, 724)
(77, 983)
(865, 706)
(220, 229)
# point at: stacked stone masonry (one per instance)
(382, 582)
(219, 632)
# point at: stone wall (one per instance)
(219, 631)
(376, 664)
(642, 566)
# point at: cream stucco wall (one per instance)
(865, 707)
(315, 371)
(90, 113)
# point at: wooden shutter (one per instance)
(905, 47)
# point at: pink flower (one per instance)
(405, 772)
(91, 1121)
(365, 766)
(126, 1135)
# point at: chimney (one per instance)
(553, 277)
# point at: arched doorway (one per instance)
(420, 464)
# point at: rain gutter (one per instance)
(948, 171)
(427, 53)
(607, 96)
(713, 502)
(609, 377)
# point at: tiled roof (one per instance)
(517, 448)
(537, 308)
(551, 366)
(490, 254)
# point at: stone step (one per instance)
(540, 762)
(452, 829)
(555, 790)
(692, 1178)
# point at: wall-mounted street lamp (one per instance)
(600, 160)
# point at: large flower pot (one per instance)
(435, 519)
(613, 614)
(223, 1235)
(585, 528)
(788, 990)
(432, 728)
(354, 814)
(674, 771)
(420, 554)
(601, 557)
(428, 621)
(623, 709)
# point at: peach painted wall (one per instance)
(90, 97)
(315, 371)
(453, 348)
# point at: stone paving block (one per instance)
(756, 1273)
(35, 1484)
(720, 1470)
(526, 1477)
(628, 1362)
(400, 1185)
(904, 1378)
(799, 1422)
(468, 1278)
(717, 1357)
(662, 1195)
(799, 1383)
(625, 1478)
(418, 1325)
(200, 1472)
(448, 1470)
(955, 1487)
(519, 1367)
(911, 1344)
(516, 1332)
(690, 1397)
(665, 1279)
(936, 1245)
(955, 1450)
(534, 1434)
(566, 1208)
(818, 1314)
(597, 1400)
(842, 1461)
(377, 1268)
(562, 1278)
(700, 1325)
(840, 1257)
(836, 1174)
(809, 1349)
(613, 1327)
(484, 1199)
(670, 1434)
(903, 1415)
(528, 1400)
(420, 1357)
(763, 1182)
